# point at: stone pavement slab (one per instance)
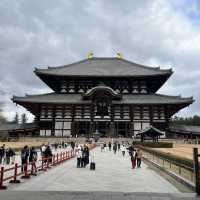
(113, 174)
(59, 195)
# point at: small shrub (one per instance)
(180, 161)
(154, 144)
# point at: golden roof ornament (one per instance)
(119, 55)
(90, 55)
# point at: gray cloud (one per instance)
(41, 33)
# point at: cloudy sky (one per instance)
(43, 33)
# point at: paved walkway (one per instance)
(58, 195)
(113, 173)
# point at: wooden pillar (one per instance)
(151, 114)
(112, 113)
(72, 121)
(141, 113)
(112, 123)
(91, 119)
(121, 112)
(53, 121)
(131, 112)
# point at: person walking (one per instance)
(139, 157)
(115, 148)
(105, 145)
(133, 159)
(109, 146)
(82, 157)
(42, 149)
(33, 159)
(102, 147)
(7, 160)
(73, 145)
(123, 149)
(118, 146)
(48, 154)
(87, 153)
(10, 156)
(130, 150)
(24, 158)
(79, 157)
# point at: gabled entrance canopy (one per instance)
(102, 90)
(150, 132)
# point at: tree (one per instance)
(24, 118)
(16, 118)
(2, 118)
(195, 120)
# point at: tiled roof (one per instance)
(152, 130)
(126, 99)
(103, 67)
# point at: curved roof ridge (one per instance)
(147, 67)
(61, 66)
(34, 95)
(175, 96)
(132, 64)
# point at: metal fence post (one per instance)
(196, 170)
(15, 175)
(2, 187)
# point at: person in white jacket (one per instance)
(123, 149)
(79, 157)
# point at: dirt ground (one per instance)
(183, 150)
(17, 145)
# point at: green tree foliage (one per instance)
(16, 119)
(24, 118)
(2, 118)
(195, 120)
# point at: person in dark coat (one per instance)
(130, 150)
(33, 155)
(24, 158)
(115, 148)
(82, 157)
(87, 153)
(118, 146)
(72, 145)
(48, 154)
(9, 154)
(2, 154)
(109, 146)
(33, 159)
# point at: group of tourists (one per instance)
(82, 153)
(28, 156)
(63, 144)
(134, 153)
(136, 156)
(7, 155)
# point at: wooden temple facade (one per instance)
(112, 95)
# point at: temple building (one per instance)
(115, 96)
